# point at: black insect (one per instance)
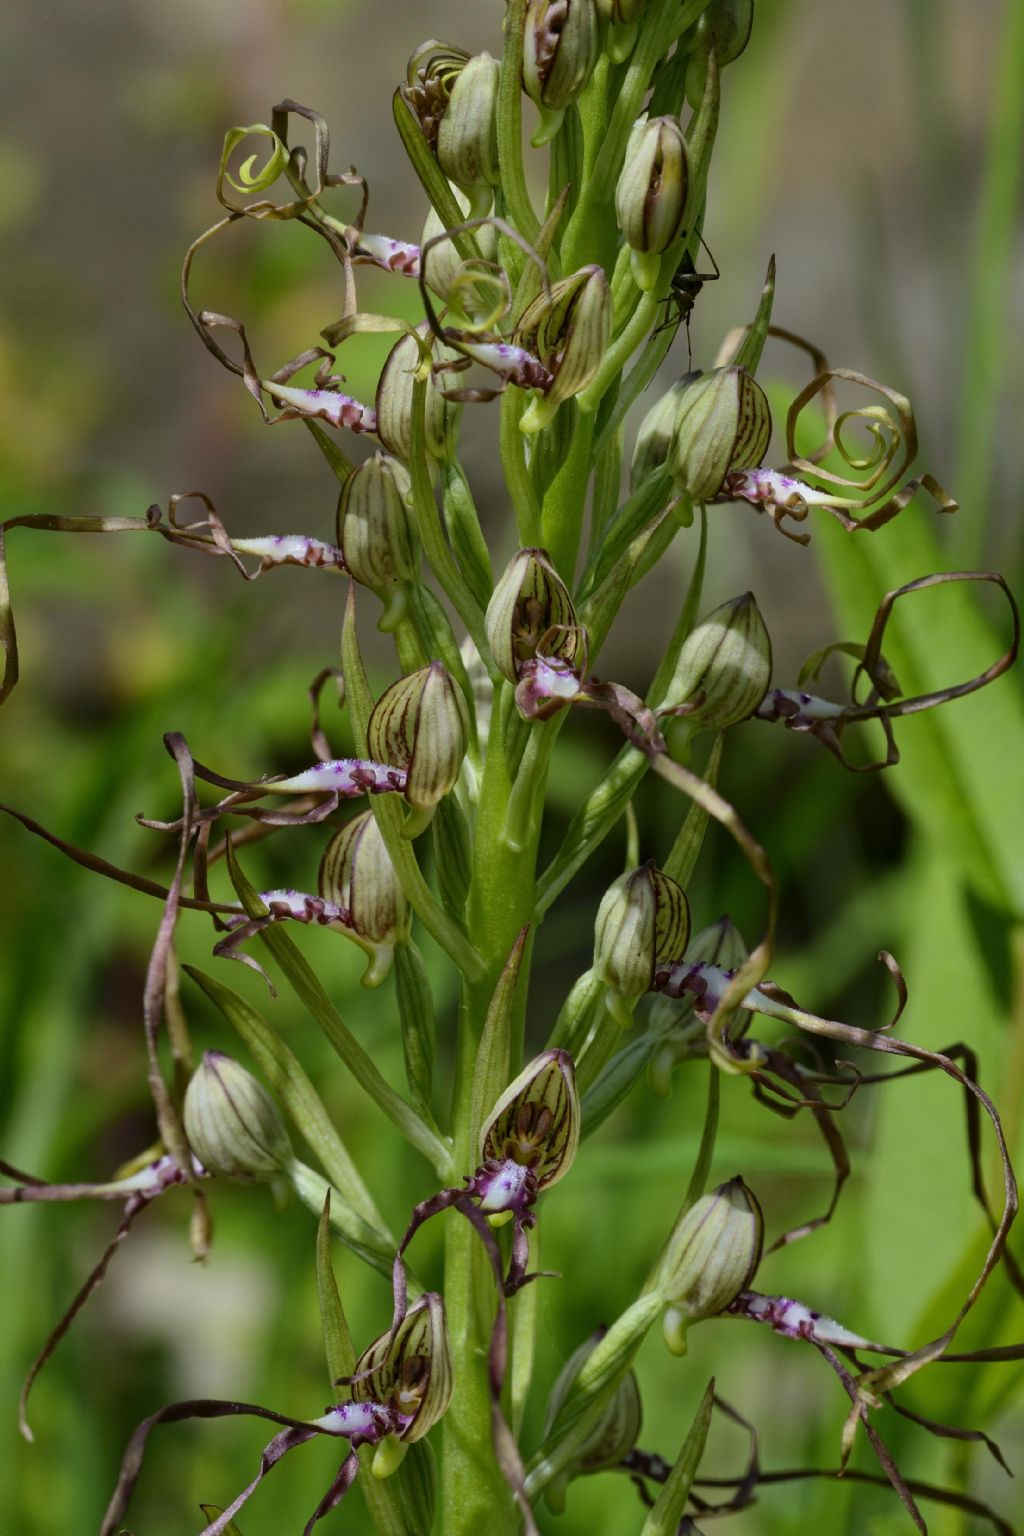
(684, 291)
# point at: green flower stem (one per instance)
(621, 350)
(593, 110)
(512, 447)
(564, 502)
(592, 1390)
(639, 378)
(588, 229)
(526, 801)
(431, 532)
(510, 125)
(474, 1497)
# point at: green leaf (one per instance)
(287, 1080)
(309, 990)
(685, 851)
(416, 1014)
(338, 1347)
(668, 1511)
(374, 1247)
(493, 1067)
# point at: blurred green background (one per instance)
(875, 146)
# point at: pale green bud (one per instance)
(568, 329)
(467, 136)
(654, 439)
(529, 600)
(420, 724)
(410, 1370)
(723, 422)
(651, 198)
(536, 1121)
(724, 668)
(710, 1258)
(727, 24)
(444, 266)
(560, 48)
(375, 533)
(356, 873)
(610, 1438)
(643, 922)
(394, 405)
(233, 1125)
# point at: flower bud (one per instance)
(654, 439)
(610, 1438)
(643, 922)
(233, 1125)
(709, 1259)
(622, 17)
(529, 600)
(431, 76)
(394, 406)
(727, 24)
(375, 534)
(723, 422)
(357, 874)
(560, 49)
(536, 1122)
(467, 135)
(410, 1371)
(444, 263)
(724, 667)
(651, 195)
(420, 724)
(568, 330)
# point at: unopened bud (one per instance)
(233, 1125)
(651, 195)
(568, 330)
(431, 76)
(724, 668)
(560, 49)
(622, 17)
(395, 400)
(445, 266)
(420, 724)
(655, 436)
(536, 1122)
(612, 1436)
(723, 422)
(375, 534)
(409, 1371)
(467, 136)
(727, 24)
(357, 874)
(529, 601)
(643, 922)
(710, 1257)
